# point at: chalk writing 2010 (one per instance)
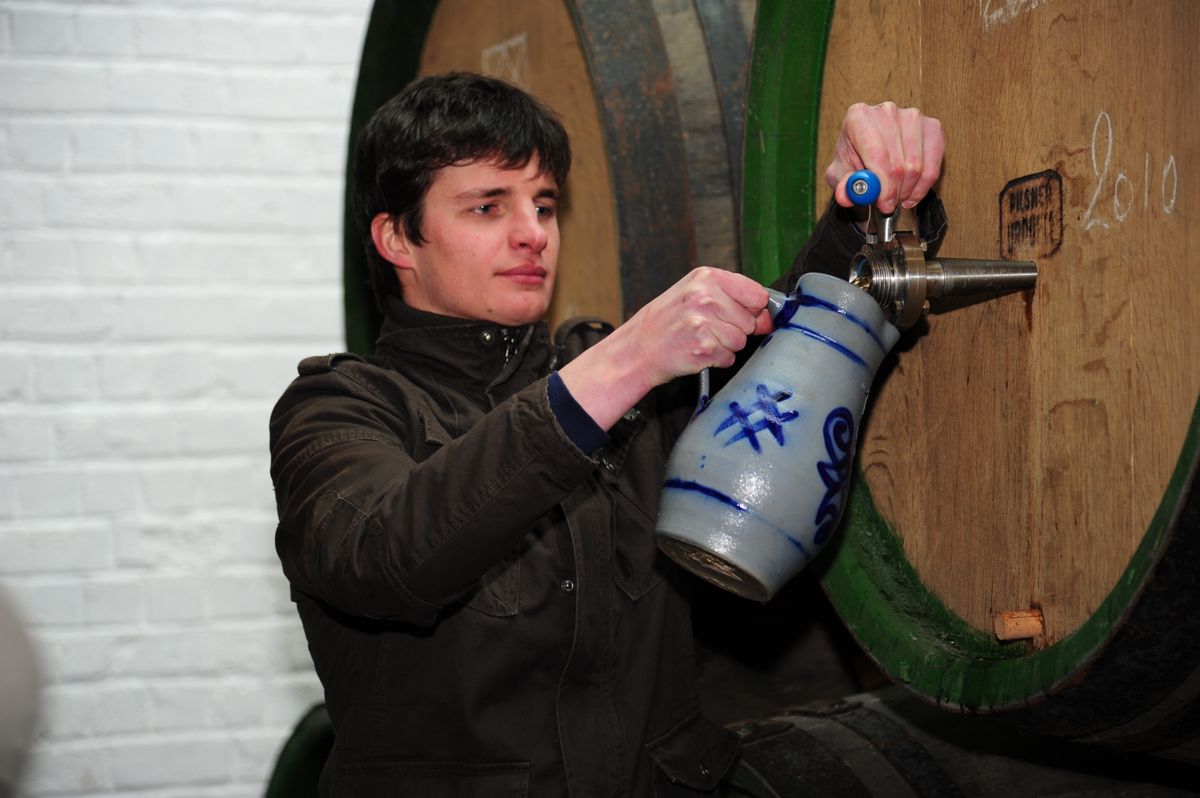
(1157, 189)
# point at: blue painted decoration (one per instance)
(834, 472)
(771, 420)
(692, 486)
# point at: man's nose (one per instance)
(529, 231)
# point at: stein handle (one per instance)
(775, 302)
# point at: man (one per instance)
(466, 517)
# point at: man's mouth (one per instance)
(526, 273)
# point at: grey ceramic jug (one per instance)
(756, 484)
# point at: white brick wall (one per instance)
(170, 190)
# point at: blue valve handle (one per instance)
(863, 187)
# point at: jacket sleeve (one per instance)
(366, 528)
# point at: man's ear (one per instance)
(390, 241)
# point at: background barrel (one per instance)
(651, 94)
(887, 743)
(1037, 452)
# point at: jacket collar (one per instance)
(470, 353)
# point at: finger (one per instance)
(747, 298)
(934, 148)
(866, 138)
(846, 160)
(887, 120)
(763, 323)
(708, 351)
(730, 338)
(911, 134)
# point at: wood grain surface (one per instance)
(1019, 447)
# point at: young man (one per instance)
(466, 517)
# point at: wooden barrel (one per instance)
(1035, 454)
(651, 94)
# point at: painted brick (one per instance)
(65, 377)
(237, 38)
(259, 372)
(110, 492)
(241, 484)
(113, 601)
(235, 704)
(36, 548)
(117, 202)
(148, 543)
(104, 32)
(84, 656)
(37, 145)
(52, 494)
(170, 190)
(165, 35)
(333, 39)
(294, 315)
(74, 769)
(166, 490)
(82, 711)
(217, 429)
(113, 434)
(34, 258)
(50, 318)
(293, 93)
(25, 437)
(157, 763)
(173, 373)
(108, 258)
(16, 378)
(44, 603)
(22, 201)
(179, 705)
(286, 698)
(249, 595)
(170, 88)
(166, 146)
(256, 753)
(41, 31)
(101, 148)
(246, 538)
(185, 374)
(228, 148)
(215, 538)
(8, 500)
(53, 87)
(175, 598)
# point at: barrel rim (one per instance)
(907, 630)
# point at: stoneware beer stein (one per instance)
(756, 484)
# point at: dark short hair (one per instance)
(435, 122)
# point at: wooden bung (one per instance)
(1019, 624)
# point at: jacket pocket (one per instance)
(695, 755)
(405, 779)
(498, 591)
(638, 565)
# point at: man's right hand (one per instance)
(703, 320)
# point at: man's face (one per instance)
(491, 244)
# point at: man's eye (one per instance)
(546, 211)
(485, 209)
